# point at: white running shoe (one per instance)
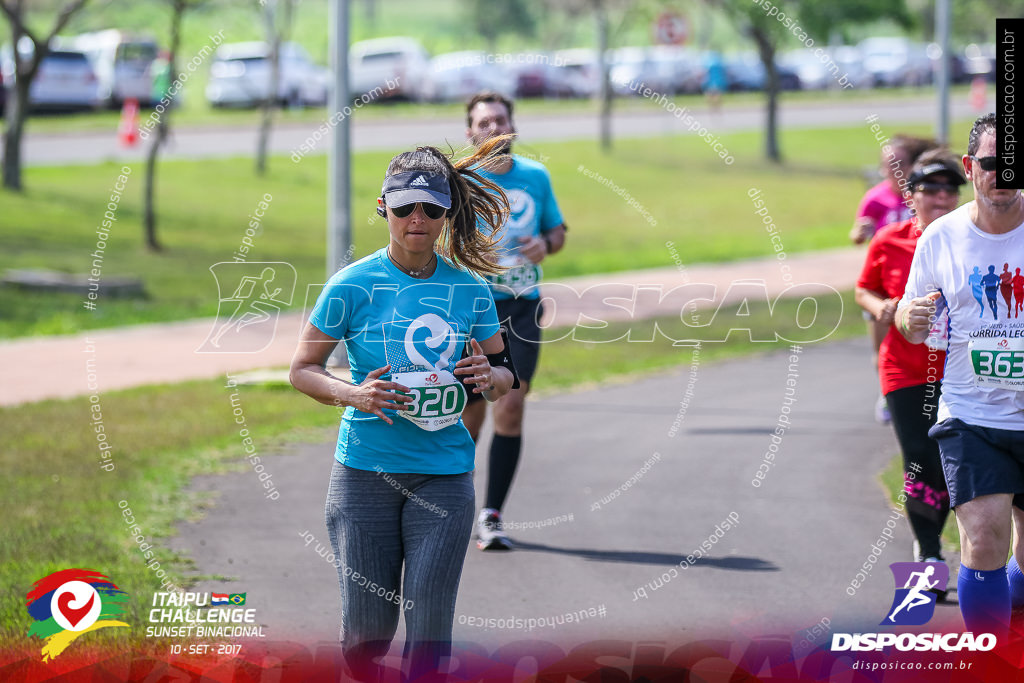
(488, 531)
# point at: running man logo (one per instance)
(251, 297)
(914, 603)
(69, 603)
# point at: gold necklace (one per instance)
(419, 274)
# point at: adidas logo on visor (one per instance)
(420, 180)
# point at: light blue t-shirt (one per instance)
(419, 327)
(533, 211)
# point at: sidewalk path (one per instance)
(34, 369)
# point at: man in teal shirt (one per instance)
(534, 230)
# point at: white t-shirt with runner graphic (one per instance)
(975, 271)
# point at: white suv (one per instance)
(240, 76)
(400, 66)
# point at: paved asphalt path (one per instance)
(799, 540)
(377, 133)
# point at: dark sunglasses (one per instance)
(986, 163)
(431, 211)
(935, 188)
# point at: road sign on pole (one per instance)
(671, 29)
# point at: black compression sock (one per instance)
(503, 461)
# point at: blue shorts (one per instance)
(979, 461)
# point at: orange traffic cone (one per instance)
(128, 128)
(978, 96)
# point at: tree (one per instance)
(163, 126)
(491, 19)
(604, 37)
(25, 69)
(277, 21)
(807, 21)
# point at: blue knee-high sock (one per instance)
(984, 600)
(1016, 579)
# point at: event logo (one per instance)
(914, 603)
(72, 602)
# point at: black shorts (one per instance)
(521, 318)
(979, 461)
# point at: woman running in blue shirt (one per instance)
(401, 490)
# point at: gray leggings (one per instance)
(377, 521)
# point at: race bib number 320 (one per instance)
(438, 398)
(998, 362)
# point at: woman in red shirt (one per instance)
(909, 373)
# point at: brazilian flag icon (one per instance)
(237, 598)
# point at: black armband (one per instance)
(503, 359)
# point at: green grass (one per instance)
(62, 509)
(698, 203)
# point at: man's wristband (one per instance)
(547, 242)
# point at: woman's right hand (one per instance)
(373, 395)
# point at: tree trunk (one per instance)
(766, 49)
(270, 102)
(17, 112)
(25, 73)
(163, 129)
(277, 27)
(149, 207)
(601, 15)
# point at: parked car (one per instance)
(683, 66)
(457, 76)
(65, 80)
(745, 71)
(896, 61)
(851, 63)
(240, 76)
(400, 61)
(537, 74)
(813, 73)
(826, 70)
(631, 66)
(980, 60)
(123, 64)
(579, 71)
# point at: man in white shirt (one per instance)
(980, 427)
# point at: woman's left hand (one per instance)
(478, 369)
